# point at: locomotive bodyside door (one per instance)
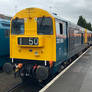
(61, 41)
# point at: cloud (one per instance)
(68, 9)
(73, 9)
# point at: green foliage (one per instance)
(83, 23)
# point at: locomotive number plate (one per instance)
(28, 41)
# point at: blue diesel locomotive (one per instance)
(42, 42)
(4, 41)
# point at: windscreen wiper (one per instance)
(42, 21)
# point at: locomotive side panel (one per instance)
(4, 41)
(75, 40)
(4, 37)
(61, 41)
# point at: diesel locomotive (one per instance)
(41, 42)
(4, 41)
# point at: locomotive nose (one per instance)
(42, 73)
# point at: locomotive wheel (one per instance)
(42, 73)
(65, 64)
(8, 68)
(61, 68)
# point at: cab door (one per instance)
(61, 41)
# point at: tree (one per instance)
(83, 23)
(88, 26)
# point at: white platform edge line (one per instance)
(61, 73)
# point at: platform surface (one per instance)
(77, 79)
(7, 81)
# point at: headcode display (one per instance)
(28, 41)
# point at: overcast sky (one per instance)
(68, 9)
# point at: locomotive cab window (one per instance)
(61, 28)
(17, 26)
(44, 26)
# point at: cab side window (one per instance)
(61, 28)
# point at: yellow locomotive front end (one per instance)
(32, 38)
(33, 35)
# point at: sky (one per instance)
(68, 9)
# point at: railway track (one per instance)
(15, 87)
(25, 87)
(31, 86)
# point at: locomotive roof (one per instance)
(54, 15)
(75, 25)
(4, 24)
(4, 20)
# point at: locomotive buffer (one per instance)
(77, 78)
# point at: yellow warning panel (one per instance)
(45, 49)
(85, 41)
